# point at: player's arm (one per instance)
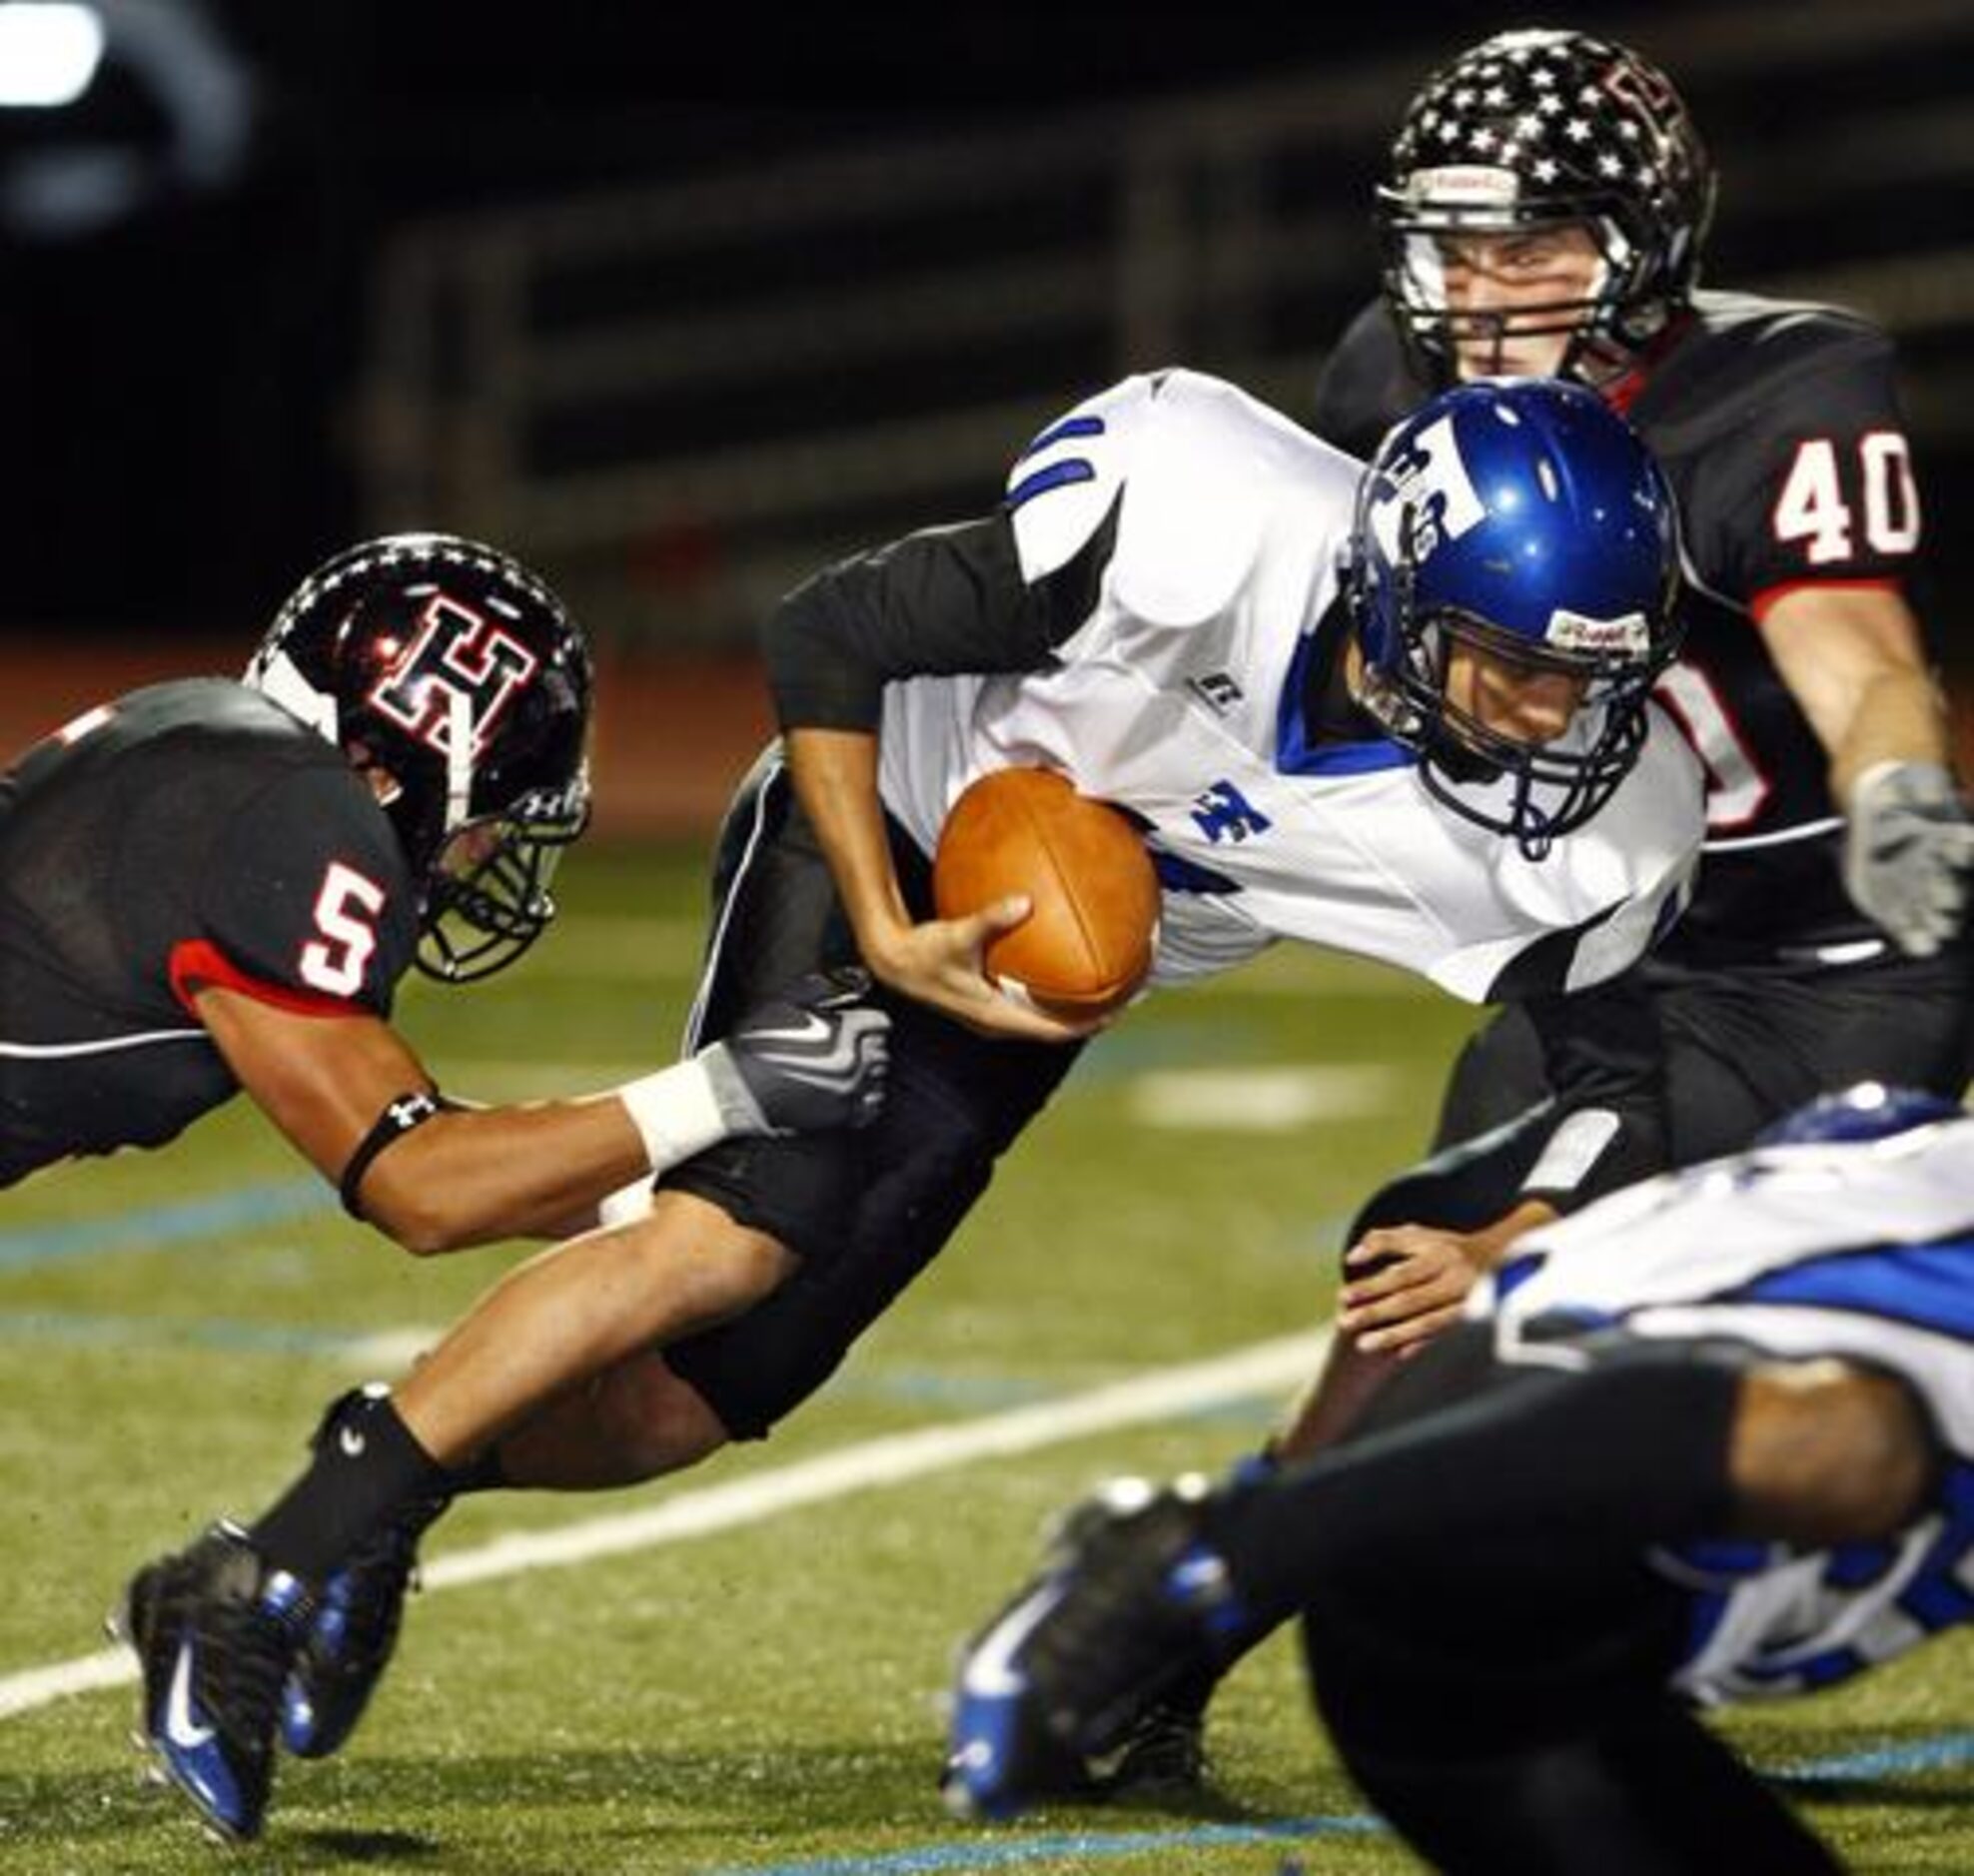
(946, 600)
(1809, 513)
(1405, 1284)
(356, 1102)
(1853, 658)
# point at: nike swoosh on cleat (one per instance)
(989, 1673)
(180, 1727)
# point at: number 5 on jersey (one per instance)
(346, 916)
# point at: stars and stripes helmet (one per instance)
(449, 674)
(1542, 129)
(1524, 518)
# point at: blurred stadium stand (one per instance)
(683, 398)
(682, 326)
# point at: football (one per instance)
(1087, 946)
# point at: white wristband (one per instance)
(675, 1113)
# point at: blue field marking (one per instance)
(1944, 1752)
(160, 1227)
(999, 1852)
(233, 1338)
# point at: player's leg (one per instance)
(1484, 1149)
(349, 1527)
(1647, 1790)
(1466, 1474)
(1500, 1698)
(864, 1214)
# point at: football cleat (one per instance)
(213, 1628)
(1161, 1758)
(350, 1642)
(1132, 1603)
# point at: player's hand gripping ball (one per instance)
(1087, 946)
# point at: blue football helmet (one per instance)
(1525, 521)
(1871, 1110)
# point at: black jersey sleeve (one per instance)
(1795, 458)
(1604, 1065)
(944, 600)
(1365, 385)
(305, 896)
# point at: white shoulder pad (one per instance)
(1201, 467)
(1064, 483)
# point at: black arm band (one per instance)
(399, 1115)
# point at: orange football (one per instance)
(1087, 946)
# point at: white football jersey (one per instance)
(1177, 699)
(1865, 1252)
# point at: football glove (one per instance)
(1909, 853)
(813, 1056)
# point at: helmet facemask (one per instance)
(486, 896)
(1601, 329)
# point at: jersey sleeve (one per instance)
(944, 600)
(998, 594)
(1604, 1060)
(1365, 385)
(1812, 483)
(305, 900)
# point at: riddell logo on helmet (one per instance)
(457, 653)
(1464, 185)
(1573, 632)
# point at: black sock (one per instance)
(1592, 1463)
(484, 1474)
(366, 1470)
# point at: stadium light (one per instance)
(49, 51)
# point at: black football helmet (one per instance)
(452, 676)
(1540, 129)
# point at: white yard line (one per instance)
(1264, 1368)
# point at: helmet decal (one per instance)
(458, 657)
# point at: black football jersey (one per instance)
(1779, 429)
(189, 834)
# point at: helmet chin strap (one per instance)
(458, 759)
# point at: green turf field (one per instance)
(759, 1697)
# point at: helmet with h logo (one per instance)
(453, 679)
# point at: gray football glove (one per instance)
(1908, 852)
(813, 1056)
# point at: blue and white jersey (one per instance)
(1178, 699)
(1863, 1252)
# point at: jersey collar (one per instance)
(1301, 747)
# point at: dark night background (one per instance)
(179, 380)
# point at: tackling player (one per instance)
(1398, 710)
(1711, 1440)
(209, 886)
(1545, 210)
